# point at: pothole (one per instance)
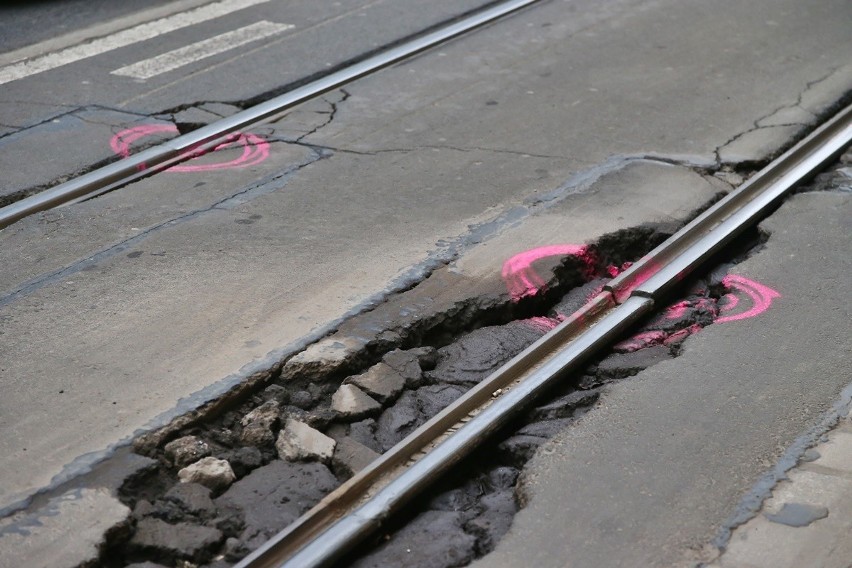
(226, 484)
(464, 517)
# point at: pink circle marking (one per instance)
(254, 148)
(522, 280)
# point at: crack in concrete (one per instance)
(756, 124)
(331, 115)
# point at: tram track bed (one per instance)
(298, 439)
(276, 444)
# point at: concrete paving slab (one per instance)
(650, 474)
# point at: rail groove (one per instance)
(182, 148)
(357, 508)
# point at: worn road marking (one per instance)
(188, 54)
(123, 38)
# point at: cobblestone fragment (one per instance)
(258, 424)
(210, 472)
(380, 381)
(299, 442)
(186, 450)
(351, 402)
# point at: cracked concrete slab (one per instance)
(668, 457)
(68, 532)
(416, 172)
(49, 152)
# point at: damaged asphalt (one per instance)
(380, 190)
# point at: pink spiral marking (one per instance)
(761, 297)
(521, 278)
(254, 148)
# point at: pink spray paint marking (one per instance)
(522, 281)
(761, 298)
(521, 278)
(254, 148)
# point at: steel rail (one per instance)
(359, 507)
(186, 146)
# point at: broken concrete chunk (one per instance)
(186, 450)
(321, 358)
(410, 364)
(481, 352)
(364, 432)
(193, 498)
(380, 381)
(181, 541)
(351, 402)
(273, 496)
(69, 530)
(258, 424)
(351, 456)
(210, 472)
(299, 442)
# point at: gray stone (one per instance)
(210, 472)
(186, 450)
(273, 496)
(179, 541)
(146, 564)
(380, 381)
(435, 539)
(69, 531)
(321, 358)
(299, 442)
(351, 456)
(193, 498)
(302, 399)
(258, 424)
(351, 402)
(276, 393)
(432, 399)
